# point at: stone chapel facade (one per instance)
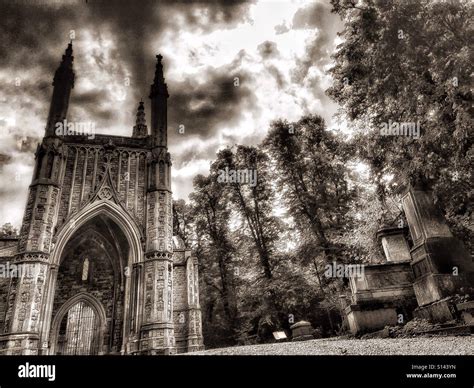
(99, 270)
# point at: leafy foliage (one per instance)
(7, 230)
(403, 61)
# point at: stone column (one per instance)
(195, 340)
(157, 329)
(24, 317)
(442, 266)
(135, 316)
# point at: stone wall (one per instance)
(85, 166)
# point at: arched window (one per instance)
(85, 270)
(79, 331)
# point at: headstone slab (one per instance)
(424, 218)
(394, 243)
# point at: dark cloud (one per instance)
(26, 144)
(4, 159)
(138, 26)
(214, 100)
(189, 154)
(317, 17)
(89, 97)
(132, 26)
(30, 30)
(314, 15)
(268, 49)
(317, 54)
(278, 75)
(323, 25)
(34, 34)
(281, 29)
(26, 86)
(217, 13)
(88, 106)
(96, 114)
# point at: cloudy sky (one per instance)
(277, 51)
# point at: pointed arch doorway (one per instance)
(97, 257)
(79, 326)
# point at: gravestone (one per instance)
(394, 244)
(302, 331)
(441, 264)
(383, 295)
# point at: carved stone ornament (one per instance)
(105, 193)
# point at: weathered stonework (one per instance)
(101, 271)
(441, 264)
(379, 297)
(419, 282)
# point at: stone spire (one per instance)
(140, 129)
(63, 83)
(159, 95)
(157, 328)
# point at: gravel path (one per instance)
(463, 345)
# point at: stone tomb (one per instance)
(441, 265)
(301, 331)
(383, 295)
(425, 281)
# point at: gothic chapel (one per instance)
(100, 271)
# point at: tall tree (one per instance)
(410, 62)
(250, 192)
(7, 230)
(311, 173)
(215, 250)
(182, 220)
(312, 177)
(243, 173)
